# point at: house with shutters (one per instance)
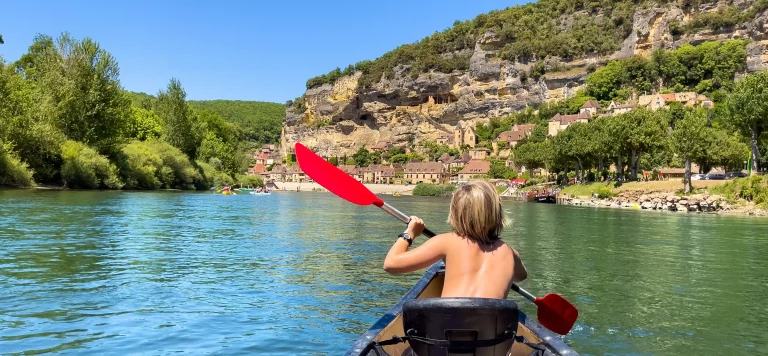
(473, 170)
(559, 123)
(424, 172)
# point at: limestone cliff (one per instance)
(342, 117)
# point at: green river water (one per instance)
(300, 273)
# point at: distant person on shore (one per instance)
(478, 263)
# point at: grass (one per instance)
(753, 189)
(604, 190)
(500, 189)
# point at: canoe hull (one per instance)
(431, 286)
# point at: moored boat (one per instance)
(260, 193)
(530, 337)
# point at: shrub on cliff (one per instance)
(433, 190)
(85, 168)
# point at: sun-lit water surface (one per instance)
(300, 273)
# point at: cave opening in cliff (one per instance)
(366, 117)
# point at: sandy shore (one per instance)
(375, 188)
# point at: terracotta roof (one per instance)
(347, 168)
(387, 171)
(442, 134)
(464, 158)
(294, 170)
(257, 168)
(444, 158)
(476, 166)
(568, 119)
(669, 97)
(510, 136)
(424, 167)
(278, 169)
(626, 106)
(591, 104)
(524, 127)
(397, 166)
(481, 149)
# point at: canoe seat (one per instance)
(460, 326)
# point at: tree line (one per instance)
(562, 28)
(728, 136)
(708, 68)
(65, 118)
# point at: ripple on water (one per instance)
(161, 273)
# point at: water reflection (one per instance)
(162, 272)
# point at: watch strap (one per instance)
(405, 236)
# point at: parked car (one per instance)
(698, 177)
(732, 175)
(715, 176)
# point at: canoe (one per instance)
(226, 192)
(245, 189)
(431, 286)
(254, 193)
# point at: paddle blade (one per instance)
(556, 313)
(334, 179)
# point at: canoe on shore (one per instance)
(532, 338)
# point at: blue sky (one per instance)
(244, 50)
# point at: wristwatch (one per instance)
(406, 237)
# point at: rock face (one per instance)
(342, 117)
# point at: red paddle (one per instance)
(554, 312)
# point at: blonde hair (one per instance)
(476, 212)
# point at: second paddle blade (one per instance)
(334, 179)
(556, 313)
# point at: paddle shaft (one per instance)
(428, 233)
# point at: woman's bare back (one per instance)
(479, 271)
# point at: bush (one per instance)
(13, 171)
(85, 168)
(157, 164)
(432, 190)
(212, 177)
(753, 189)
(250, 181)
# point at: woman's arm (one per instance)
(400, 260)
(519, 273)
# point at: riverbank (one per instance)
(660, 195)
(386, 189)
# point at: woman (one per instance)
(477, 263)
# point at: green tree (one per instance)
(399, 158)
(362, 157)
(81, 80)
(647, 132)
(222, 140)
(26, 123)
(334, 161)
(180, 126)
(499, 170)
(747, 109)
(689, 141)
(143, 124)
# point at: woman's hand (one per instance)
(415, 227)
